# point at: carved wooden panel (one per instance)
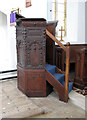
(31, 48)
(81, 69)
(31, 44)
(36, 83)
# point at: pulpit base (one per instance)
(33, 82)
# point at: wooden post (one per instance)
(56, 57)
(63, 58)
(77, 64)
(82, 61)
(67, 72)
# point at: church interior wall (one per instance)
(75, 23)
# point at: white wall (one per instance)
(72, 21)
(7, 45)
(37, 10)
(49, 10)
(8, 57)
(76, 21)
(3, 41)
(81, 22)
(8, 38)
(76, 30)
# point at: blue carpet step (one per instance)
(70, 85)
(59, 77)
(50, 68)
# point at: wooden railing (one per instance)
(67, 51)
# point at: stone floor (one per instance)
(15, 104)
(56, 109)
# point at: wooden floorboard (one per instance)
(15, 104)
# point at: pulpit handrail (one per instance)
(67, 50)
(55, 40)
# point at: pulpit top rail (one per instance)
(32, 19)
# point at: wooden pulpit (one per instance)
(31, 49)
(37, 74)
(31, 42)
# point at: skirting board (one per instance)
(8, 74)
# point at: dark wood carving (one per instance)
(31, 49)
(31, 44)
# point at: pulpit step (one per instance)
(59, 77)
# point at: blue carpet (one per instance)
(59, 77)
(70, 85)
(50, 68)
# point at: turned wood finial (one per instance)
(68, 43)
